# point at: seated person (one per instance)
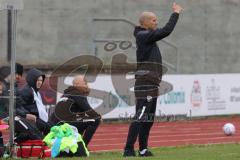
(74, 109)
(34, 109)
(5, 77)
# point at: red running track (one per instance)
(111, 137)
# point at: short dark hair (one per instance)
(6, 70)
(19, 69)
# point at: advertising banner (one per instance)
(191, 95)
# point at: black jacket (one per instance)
(3, 106)
(80, 100)
(4, 102)
(27, 93)
(147, 48)
(73, 107)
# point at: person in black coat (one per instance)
(148, 77)
(34, 109)
(5, 75)
(74, 108)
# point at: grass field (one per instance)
(190, 152)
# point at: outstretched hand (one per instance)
(177, 8)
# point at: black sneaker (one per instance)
(145, 153)
(129, 153)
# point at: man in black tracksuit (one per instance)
(148, 77)
(74, 108)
